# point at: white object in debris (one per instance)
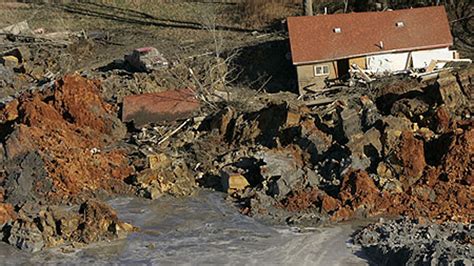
(18, 28)
(146, 59)
(39, 31)
(380, 64)
(422, 59)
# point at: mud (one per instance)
(415, 242)
(201, 229)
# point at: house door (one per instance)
(343, 69)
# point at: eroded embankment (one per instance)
(56, 149)
(405, 149)
(410, 154)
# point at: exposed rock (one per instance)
(329, 204)
(316, 141)
(351, 123)
(386, 181)
(393, 128)
(282, 170)
(234, 182)
(9, 111)
(308, 165)
(260, 127)
(409, 242)
(276, 159)
(302, 200)
(168, 176)
(408, 160)
(26, 236)
(78, 101)
(292, 119)
(99, 222)
(58, 148)
(409, 107)
(458, 163)
(40, 227)
(27, 180)
(359, 194)
(442, 119)
(222, 120)
(9, 61)
(370, 114)
(366, 149)
(452, 94)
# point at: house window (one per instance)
(321, 70)
(400, 24)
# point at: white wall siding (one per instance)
(379, 64)
(422, 59)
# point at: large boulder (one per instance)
(408, 159)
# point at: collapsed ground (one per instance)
(399, 148)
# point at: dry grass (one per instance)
(263, 12)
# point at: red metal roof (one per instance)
(313, 39)
(156, 107)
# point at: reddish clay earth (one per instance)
(70, 128)
(62, 145)
(442, 193)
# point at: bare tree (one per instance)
(308, 7)
(210, 72)
(346, 5)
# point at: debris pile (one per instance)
(92, 221)
(414, 242)
(58, 147)
(146, 59)
(399, 148)
(164, 175)
(402, 152)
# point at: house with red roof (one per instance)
(326, 47)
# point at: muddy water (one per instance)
(204, 229)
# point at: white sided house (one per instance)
(327, 47)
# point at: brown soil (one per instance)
(70, 128)
(444, 193)
(62, 144)
(6, 213)
(411, 154)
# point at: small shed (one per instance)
(326, 47)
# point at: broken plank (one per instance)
(363, 74)
(432, 65)
(319, 101)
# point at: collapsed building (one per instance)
(335, 47)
